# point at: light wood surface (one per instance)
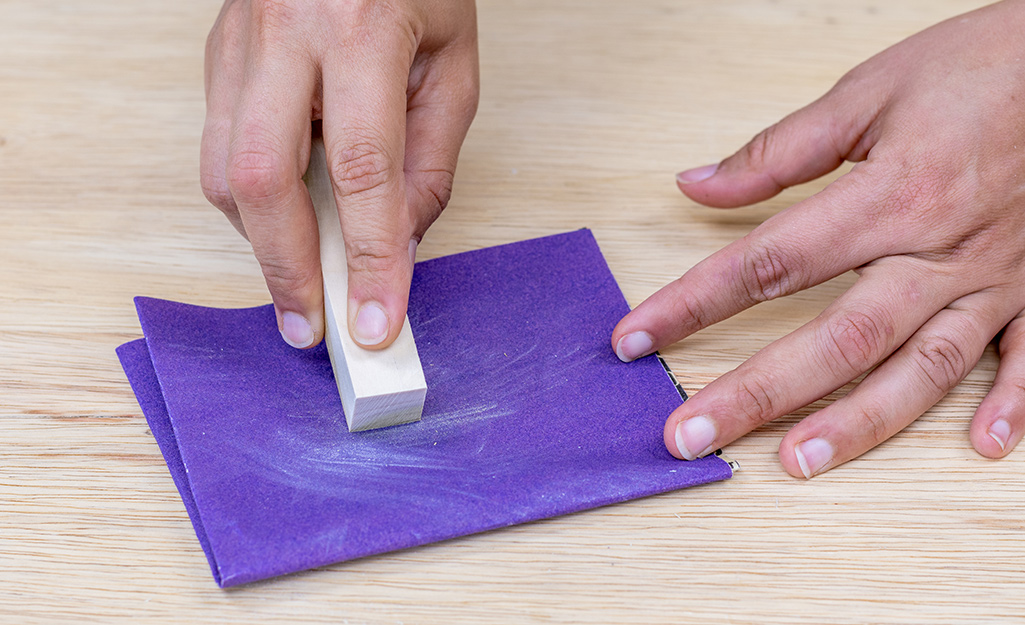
(588, 108)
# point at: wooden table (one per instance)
(588, 108)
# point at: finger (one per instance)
(267, 156)
(860, 329)
(803, 146)
(364, 137)
(440, 110)
(807, 244)
(224, 68)
(926, 368)
(1000, 419)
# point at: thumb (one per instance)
(803, 146)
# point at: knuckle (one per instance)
(759, 401)
(276, 13)
(858, 339)
(436, 191)
(360, 167)
(470, 92)
(757, 151)
(854, 82)
(857, 76)
(227, 30)
(256, 174)
(464, 91)
(215, 189)
(285, 275)
(905, 197)
(375, 256)
(688, 310)
(916, 188)
(922, 195)
(768, 272)
(942, 361)
(1015, 388)
(364, 23)
(875, 424)
(365, 10)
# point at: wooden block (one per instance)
(378, 388)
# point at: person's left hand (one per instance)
(933, 220)
(393, 84)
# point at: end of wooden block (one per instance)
(378, 388)
(371, 413)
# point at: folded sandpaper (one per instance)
(529, 414)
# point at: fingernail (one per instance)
(813, 454)
(697, 174)
(1000, 431)
(412, 251)
(634, 345)
(296, 331)
(694, 437)
(371, 324)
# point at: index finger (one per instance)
(807, 244)
(267, 156)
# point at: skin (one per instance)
(932, 218)
(393, 85)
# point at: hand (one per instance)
(396, 84)
(933, 220)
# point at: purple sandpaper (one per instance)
(529, 414)
(135, 359)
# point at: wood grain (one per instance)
(588, 108)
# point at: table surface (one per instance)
(588, 108)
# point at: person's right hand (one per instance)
(395, 83)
